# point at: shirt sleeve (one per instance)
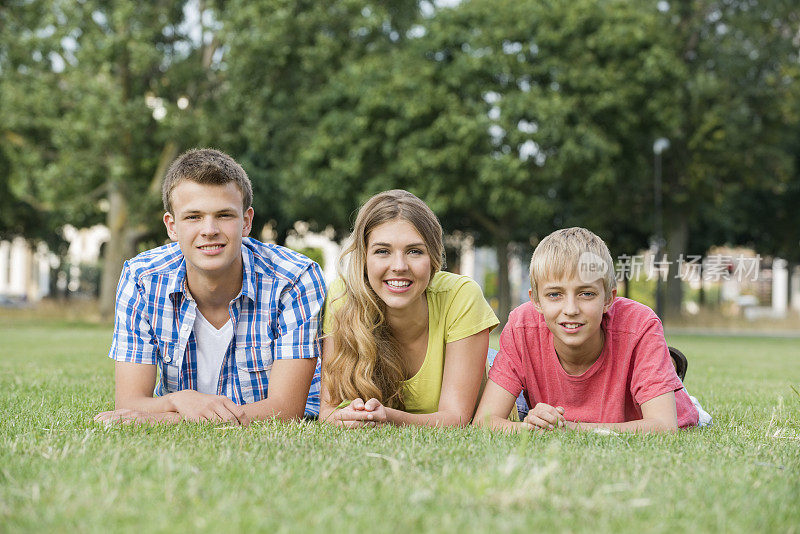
(469, 313)
(299, 322)
(653, 372)
(506, 371)
(134, 340)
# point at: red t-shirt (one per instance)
(633, 367)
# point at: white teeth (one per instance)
(210, 247)
(572, 325)
(398, 283)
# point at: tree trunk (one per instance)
(789, 270)
(677, 241)
(119, 248)
(702, 296)
(503, 284)
(452, 260)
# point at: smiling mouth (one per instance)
(397, 285)
(571, 326)
(211, 248)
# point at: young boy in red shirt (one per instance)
(583, 357)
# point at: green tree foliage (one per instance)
(510, 118)
(282, 61)
(99, 97)
(26, 78)
(515, 118)
(728, 120)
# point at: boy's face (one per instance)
(573, 311)
(208, 223)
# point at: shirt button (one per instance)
(167, 358)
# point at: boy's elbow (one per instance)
(293, 411)
(664, 426)
(481, 420)
(275, 408)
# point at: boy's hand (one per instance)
(545, 417)
(196, 406)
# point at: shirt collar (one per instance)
(178, 285)
(249, 276)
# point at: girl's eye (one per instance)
(416, 251)
(381, 251)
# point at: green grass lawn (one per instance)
(61, 472)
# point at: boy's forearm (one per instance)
(289, 382)
(161, 418)
(640, 425)
(273, 408)
(494, 422)
(145, 404)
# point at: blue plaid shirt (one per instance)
(275, 316)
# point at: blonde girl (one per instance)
(405, 343)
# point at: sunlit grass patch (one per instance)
(60, 471)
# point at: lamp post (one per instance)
(660, 145)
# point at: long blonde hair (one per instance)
(367, 360)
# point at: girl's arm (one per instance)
(464, 366)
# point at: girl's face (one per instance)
(398, 264)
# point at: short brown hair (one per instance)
(206, 166)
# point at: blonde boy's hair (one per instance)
(569, 252)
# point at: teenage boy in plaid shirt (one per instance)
(215, 326)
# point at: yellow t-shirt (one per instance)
(456, 310)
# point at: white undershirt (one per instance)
(212, 344)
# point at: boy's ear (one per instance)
(610, 300)
(535, 304)
(169, 222)
(248, 221)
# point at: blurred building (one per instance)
(31, 271)
(754, 288)
(25, 270)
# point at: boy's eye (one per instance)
(589, 294)
(552, 295)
